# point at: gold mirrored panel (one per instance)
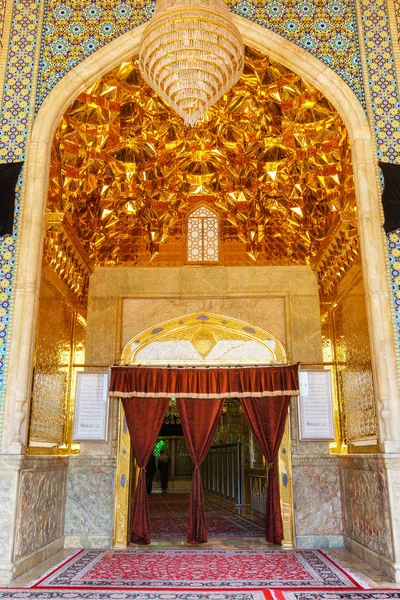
(272, 158)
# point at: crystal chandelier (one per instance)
(191, 53)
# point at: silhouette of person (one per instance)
(150, 470)
(163, 467)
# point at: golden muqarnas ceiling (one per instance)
(271, 157)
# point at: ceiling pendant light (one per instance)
(191, 53)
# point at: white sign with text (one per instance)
(315, 406)
(91, 407)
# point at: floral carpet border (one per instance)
(220, 570)
(33, 594)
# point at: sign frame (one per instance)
(105, 407)
(327, 374)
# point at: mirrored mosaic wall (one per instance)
(346, 344)
(271, 159)
(60, 343)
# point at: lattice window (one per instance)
(184, 465)
(203, 236)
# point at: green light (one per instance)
(160, 445)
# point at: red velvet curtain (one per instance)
(266, 418)
(265, 393)
(200, 382)
(144, 417)
(199, 418)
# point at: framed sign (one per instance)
(315, 410)
(91, 407)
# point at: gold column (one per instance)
(285, 486)
(123, 483)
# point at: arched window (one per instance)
(202, 243)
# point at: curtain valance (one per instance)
(200, 382)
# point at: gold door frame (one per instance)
(123, 482)
(126, 472)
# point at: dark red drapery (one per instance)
(199, 420)
(144, 419)
(196, 382)
(269, 388)
(266, 418)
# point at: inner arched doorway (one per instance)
(206, 340)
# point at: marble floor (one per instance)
(365, 575)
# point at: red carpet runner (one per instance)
(169, 514)
(200, 569)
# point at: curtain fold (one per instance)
(199, 420)
(213, 382)
(144, 418)
(266, 418)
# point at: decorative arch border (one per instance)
(246, 331)
(34, 202)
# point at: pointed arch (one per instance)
(34, 201)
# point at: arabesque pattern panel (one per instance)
(327, 31)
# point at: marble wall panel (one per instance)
(297, 280)
(316, 491)
(392, 467)
(8, 491)
(90, 499)
(268, 313)
(366, 512)
(201, 282)
(259, 295)
(41, 505)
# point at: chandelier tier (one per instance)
(191, 53)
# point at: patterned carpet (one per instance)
(199, 569)
(169, 514)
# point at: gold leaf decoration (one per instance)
(272, 158)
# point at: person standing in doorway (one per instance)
(163, 467)
(150, 470)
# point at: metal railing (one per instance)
(258, 492)
(222, 473)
